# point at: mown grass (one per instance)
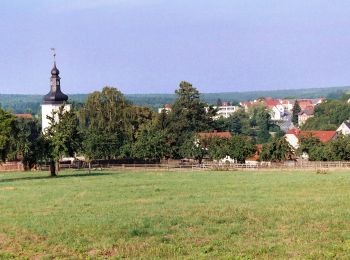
(195, 215)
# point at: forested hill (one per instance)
(31, 103)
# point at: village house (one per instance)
(276, 108)
(214, 134)
(293, 136)
(304, 115)
(288, 104)
(167, 108)
(24, 116)
(226, 110)
(344, 128)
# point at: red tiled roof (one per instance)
(256, 156)
(271, 102)
(324, 136)
(215, 134)
(168, 106)
(27, 116)
(304, 103)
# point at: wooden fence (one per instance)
(210, 166)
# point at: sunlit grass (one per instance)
(175, 215)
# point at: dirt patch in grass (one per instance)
(29, 246)
(7, 188)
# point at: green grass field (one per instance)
(195, 215)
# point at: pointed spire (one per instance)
(55, 96)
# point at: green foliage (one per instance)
(261, 122)
(218, 148)
(63, 134)
(6, 126)
(194, 148)
(27, 142)
(240, 148)
(335, 150)
(328, 115)
(188, 116)
(106, 121)
(295, 112)
(312, 146)
(151, 142)
(278, 150)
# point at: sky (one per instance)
(150, 46)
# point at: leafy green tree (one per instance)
(340, 148)
(194, 148)
(151, 143)
(63, 136)
(218, 148)
(240, 148)
(6, 127)
(107, 123)
(188, 116)
(312, 146)
(27, 142)
(328, 115)
(260, 120)
(278, 150)
(295, 112)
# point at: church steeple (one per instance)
(55, 96)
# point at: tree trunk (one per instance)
(89, 167)
(53, 169)
(57, 165)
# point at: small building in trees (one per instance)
(293, 136)
(225, 110)
(24, 116)
(54, 99)
(167, 108)
(344, 128)
(214, 134)
(304, 115)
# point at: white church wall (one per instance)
(47, 110)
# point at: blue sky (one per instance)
(149, 46)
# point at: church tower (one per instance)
(54, 99)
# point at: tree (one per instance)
(260, 120)
(151, 143)
(218, 148)
(295, 112)
(278, 150)
(240, 148)
(188, 116)
(194, 148)
(328, 115)
(107, 122)
(6, 127)
(340, 148)
(312, 146)
(63, 136)
(27, 142)
(219, 102)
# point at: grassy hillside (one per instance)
(31, 103)
(193, 215)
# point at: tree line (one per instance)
(108, 126)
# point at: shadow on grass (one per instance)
(78, 175)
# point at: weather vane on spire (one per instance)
(54, 54)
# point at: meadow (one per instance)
(191, 215)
